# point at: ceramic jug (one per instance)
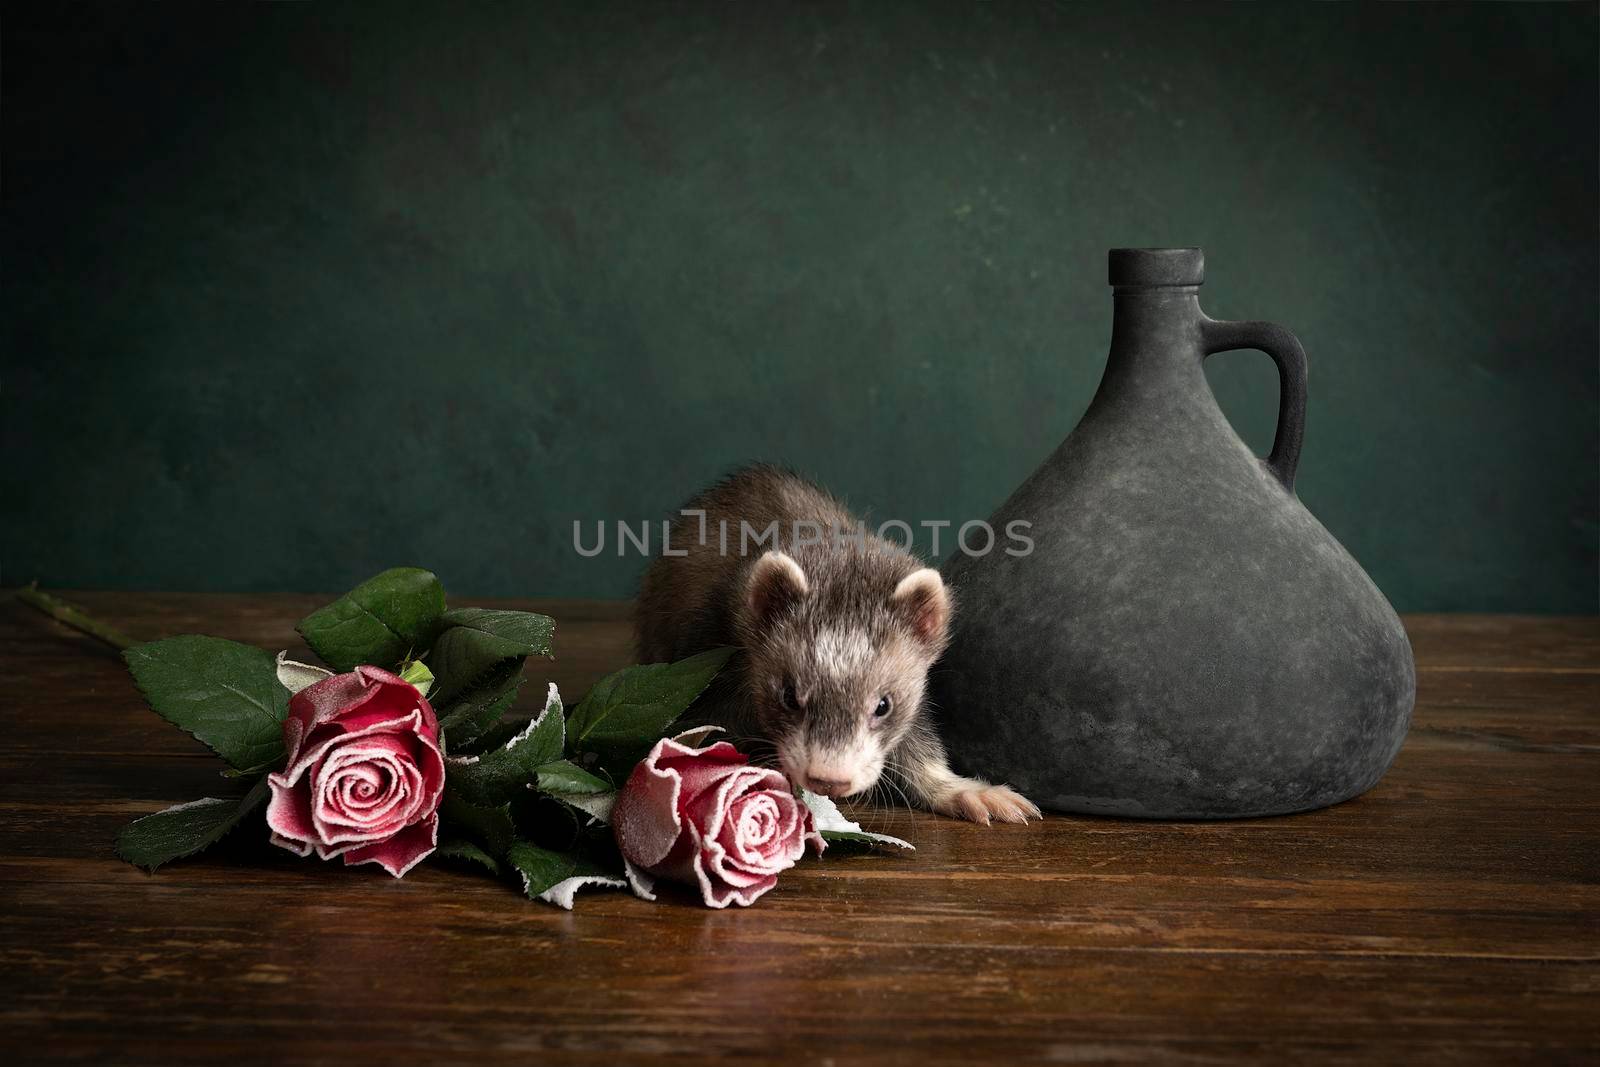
(1184, 639)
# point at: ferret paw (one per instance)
(984, 804)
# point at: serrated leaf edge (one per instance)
(588, 725)
(552, 701)
(143, 692)
(598, 806)
(548, 653)
(451, 719)
(452, 851)
(830, 820)
(244, 805)
(561, 894)
(299, 626)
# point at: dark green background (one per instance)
(296, 292)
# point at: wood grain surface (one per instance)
(1450, 915)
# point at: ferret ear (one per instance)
(775, 582)
(925, 603)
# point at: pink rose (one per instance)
(365, 772)
(705, 815)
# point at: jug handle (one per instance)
(1285, 350)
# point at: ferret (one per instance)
(836, 628)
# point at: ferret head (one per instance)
(837, 668)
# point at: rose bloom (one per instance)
(365, 772)
(705, 816)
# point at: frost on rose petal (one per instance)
(679, 817)
(364, 774)
(693, 738)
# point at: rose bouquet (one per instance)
(400, 750)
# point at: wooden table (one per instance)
(1452, 914)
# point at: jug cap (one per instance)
(1149, 267)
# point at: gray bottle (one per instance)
(1184, 640)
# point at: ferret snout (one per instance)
(828, 772)
(828, 787)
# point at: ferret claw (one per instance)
(984, 804)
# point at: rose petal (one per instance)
(289, 814)
(716, 890)
(692, 737)
(699, 775)
(642, 884)
(293, 815)
(709, 818)
(709, 808)
(320, 703)
(295, 676)
(723, 862)
(762, 831)
(384, 755)
(392, 695)
(646, 816)
(403, 851)
(299, 848)
(362, 790)
(356, 701)
(669, 755)
(330, 734)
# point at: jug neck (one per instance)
(1157, 325)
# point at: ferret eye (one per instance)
(791, 699)
(884, 704)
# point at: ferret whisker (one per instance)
(895, 777)
(875, 802)
(893, 811)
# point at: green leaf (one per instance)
(467, 852)
(555, 877)
(417, 673)
(563, 777)
(185, 829)
(378, 621)
(863, 842)
(497, 777)
(576, 787)
(835, 828)
(627, 712)
(224, 693)
(496, 736)
(469, 715)
(540, 868)
(476, 641)
(562, 893)
(490, 826)
(527, 633)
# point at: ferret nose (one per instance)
(828, 787)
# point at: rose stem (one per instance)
(61, 611)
